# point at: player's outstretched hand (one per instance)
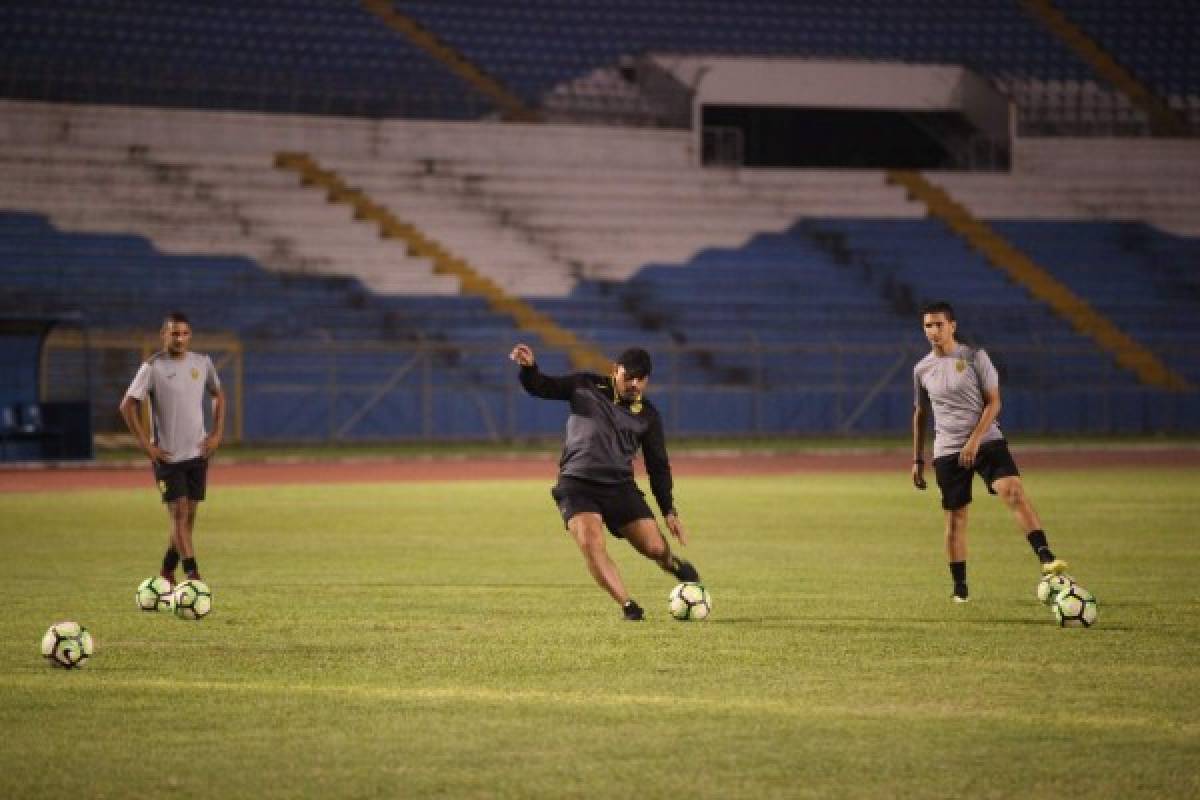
(918, 476)
(523, 355)
(675, 526)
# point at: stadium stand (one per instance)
(121, 282)
(368, 208)
(1157, 46)
(569, 39)
(913, 262)
(589, 46)
(1142, 279)
(207, 204)
(305, 56)
(1040, 282)
(538, 228)
(777, 300)
(781, 294)
(329, 57)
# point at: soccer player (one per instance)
(175, 381)
(962, 387)
(610, 419)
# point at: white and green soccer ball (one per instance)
(192, 600)
(689, 601)
(154, 594)
(67, 645)
(1075, 608)
(1051, 586)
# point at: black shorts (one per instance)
(992, 462)
(617, 503)
(183, 479)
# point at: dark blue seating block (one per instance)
(537, 45)
(309, 56)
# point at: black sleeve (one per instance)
(546, 386)
(658, 465)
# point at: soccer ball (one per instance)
(67, 645)
(1051, 586)
(192, 600)
(1075, 608)
(689, 601)
(153, 594)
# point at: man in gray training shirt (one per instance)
(175, 381)
(609, 421)
(962, 387)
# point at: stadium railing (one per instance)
(360, 391)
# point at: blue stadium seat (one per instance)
(310, 56)
(50, 271)
(335, 57)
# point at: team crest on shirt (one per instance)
(960, 365)
(196, 374)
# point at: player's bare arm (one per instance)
(131, 412)
(918, 465)
(213, 440)
(991, 410)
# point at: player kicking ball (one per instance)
(962, 387)
(609, 421)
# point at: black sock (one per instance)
(170, 561)
(189, 566)
(958, 572)
(1037, 540)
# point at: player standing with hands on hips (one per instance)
(175, 381)
(963, 389)
(609, 421)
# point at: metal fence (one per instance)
(355, 391)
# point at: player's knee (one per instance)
(656, 549)
(956, 522)
(1011, 493)
(590, 538)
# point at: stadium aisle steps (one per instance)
(1041, 284)
(582, 354)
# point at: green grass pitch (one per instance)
(425, 640)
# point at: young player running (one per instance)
(962, 387)
(175, 381)
(610, 419)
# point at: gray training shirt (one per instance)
(953, 384)
(176, 387)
